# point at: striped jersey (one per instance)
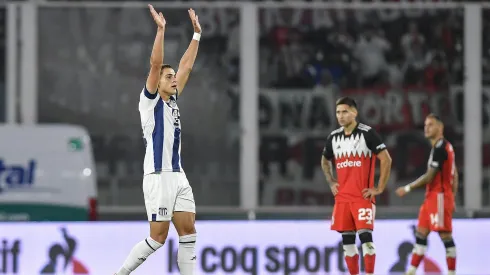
(160, 121)
(354, 156)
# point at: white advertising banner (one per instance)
(231, 247)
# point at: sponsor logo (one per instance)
(63, 252)
(17, 175)
(243, 247)
(9, 256)
(428, 265)
(349, 163)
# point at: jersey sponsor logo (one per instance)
(349, 163)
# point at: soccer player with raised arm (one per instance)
(441, 181)
(354, 148)
(168, 195)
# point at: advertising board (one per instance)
(233, 247)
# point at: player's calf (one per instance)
(351, 254)
(448, 241)
(186, 255)
(418, 252)
(142, 250)
(368, 250)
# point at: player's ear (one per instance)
(354, 111)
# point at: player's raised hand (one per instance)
(334, 186)
(195, 21)
(158, 17)
(400, 191)
(370, 193)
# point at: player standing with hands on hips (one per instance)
(168, 195)
(355, 148)
(441, 180)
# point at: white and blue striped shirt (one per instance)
(160, 121)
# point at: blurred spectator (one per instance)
(370, 51)
(435, 75)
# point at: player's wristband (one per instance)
(408, 188)
(196, 36)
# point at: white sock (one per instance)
(138, 255)
(411, 270)
(368, 249)
(350, 250)
(186, 256)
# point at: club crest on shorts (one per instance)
(162, 211)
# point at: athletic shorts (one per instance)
(166, 192)
(437, 214)
(353, 216)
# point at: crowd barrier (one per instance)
(231, 247)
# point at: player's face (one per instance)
(431, 127)
(345, 114)
(168, 82)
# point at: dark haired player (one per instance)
(354, 148)
(168, 195)
(441, 180)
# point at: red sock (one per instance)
(416, 259)
(352, 264)
(369, 261)
(451, 263)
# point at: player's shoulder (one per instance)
(440, 143)
(444, 144)
(337, 131)
(364, 128)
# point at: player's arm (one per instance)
(377, 146)
(328, 170)
(156, 59)
(422, 180)
(439, 155)
(189, 57)
(384, 169)
(455, 181)
(327, 167)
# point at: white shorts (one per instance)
(166, 192)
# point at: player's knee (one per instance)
(448, 241)
(349, 243)
(159, 231)
(420, 244)
(365, 236)
(420, 239)
(423, 232)
(446, 235)
(186, 229)
(348, 237)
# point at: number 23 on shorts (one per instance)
(365, 216)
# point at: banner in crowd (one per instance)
(294, 125)
(238, 247)
(312, 112)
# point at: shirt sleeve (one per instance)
(374, 141)
(439, 155)
(147, 99)
(328, 149)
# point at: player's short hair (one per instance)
(436, 117)
(347, 101)
(166, 66)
